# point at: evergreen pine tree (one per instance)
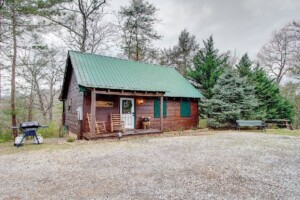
(244, 65)
(208, 66)
(272, 105)
(137, 26)
(232, 98)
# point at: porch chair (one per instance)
(99, 125)
(116, 122)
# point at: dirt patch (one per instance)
(233, 165)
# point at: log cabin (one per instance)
(100, 86)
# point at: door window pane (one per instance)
(126, 106)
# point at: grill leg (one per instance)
(21, 141)
(37, 139)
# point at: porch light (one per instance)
(140, 101)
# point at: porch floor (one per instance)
(129, 132)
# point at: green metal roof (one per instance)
(96, 71)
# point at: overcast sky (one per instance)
(236, 25)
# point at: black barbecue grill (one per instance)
(29, 129)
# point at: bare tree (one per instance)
(10, 17)
(17, 20)
(276, 56)
(41, 75)
(84, 26)
(53, 78)
(294, 33)
(281, 55)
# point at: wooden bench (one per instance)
(280, 123)
(251, 123)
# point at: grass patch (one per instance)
(51, 132)
(6, 137)
(284, 132)
(281, 132)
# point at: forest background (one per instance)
(35, 36)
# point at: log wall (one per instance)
(173, 121)
(75, 100)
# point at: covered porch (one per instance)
(102, 104)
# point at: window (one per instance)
(185, 108)
(157, 108)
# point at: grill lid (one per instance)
(32, 124)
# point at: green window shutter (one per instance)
(185, 108)
(157, 108)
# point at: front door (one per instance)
(127, 112)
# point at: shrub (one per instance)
(70, 139)
(50, 132)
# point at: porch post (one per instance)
(161, 113)
(93, 112)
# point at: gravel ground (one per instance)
(230, 165)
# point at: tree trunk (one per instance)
(84, 36)
(129, 53)
(51, 96)
(30, 106)
(41, 100)
(0, 90)
(42, 106)
(13, 72)
(137, 45)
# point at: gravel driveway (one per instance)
(230, 165)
